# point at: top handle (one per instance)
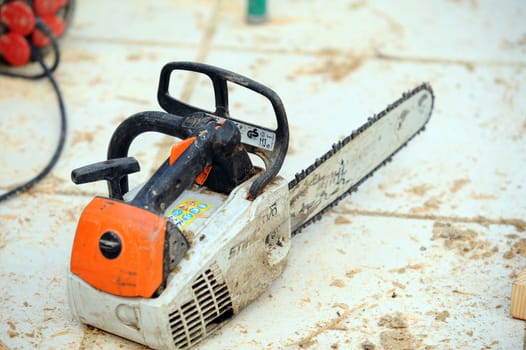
(270, 145)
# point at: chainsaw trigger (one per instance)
(179, 148)
(201, 178)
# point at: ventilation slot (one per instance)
(210, 306)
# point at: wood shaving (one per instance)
(338, 283)
(83, 136)
(466, 242)
(58, 334)
(12, 334)
(482, 196)
(367, 345)
(334, 324)
(459, 184)
(395, 321)
(352, 273)
(517, 247)
(420, 190)
(457, 291)
(397, 337)
(397, 340)
(442, 316)
(341, 220)
(336, 68)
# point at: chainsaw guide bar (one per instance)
(354, 159)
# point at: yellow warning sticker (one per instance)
(186, 212)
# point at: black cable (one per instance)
(46, 72)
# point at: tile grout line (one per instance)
(203, 50)
(470, 64)
(519, 224)
(297, 51)
(191, 81)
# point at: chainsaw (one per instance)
(169, 261)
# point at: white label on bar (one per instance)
(254, 136)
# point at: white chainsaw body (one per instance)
(238, 247)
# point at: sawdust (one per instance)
(465, 242)
(419, 190)
(137, 56)
(395, 321)
(334, 324)
(342, 220)
(89, 337)
(458, 185)
(442, 316)
(507, 84)
(408, 267)
(335, 68)
(190, 237)
(12, 217)
(397, 340)
(136, 100)
(353, 272)
(473, 4)
(75, 56)
(12, 332)
(84, 136)
(482, 196)
(517, 247)
(397, 336)
(338, 283)
(432, 203)
(461, 292)
(357, 5)
(3, 240)
(60, 333)
(520, 225)
(367, 345)
(398, 285)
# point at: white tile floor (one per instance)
(435, 227)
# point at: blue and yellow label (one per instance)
(186, 212)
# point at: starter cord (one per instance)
(47, 72)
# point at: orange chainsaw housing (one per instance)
(137, 269)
